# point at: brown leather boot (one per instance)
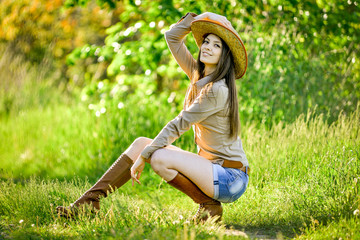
(116, 176)
(208, 207)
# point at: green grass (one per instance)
(304, 179)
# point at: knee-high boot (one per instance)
(116, 176)
(208, 207)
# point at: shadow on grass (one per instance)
(264, 232)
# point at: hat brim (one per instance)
(206, 26)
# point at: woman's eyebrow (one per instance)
(216, 41)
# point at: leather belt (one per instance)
(236, 164)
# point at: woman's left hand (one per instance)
(137, 169)
(215, 17)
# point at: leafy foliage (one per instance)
(302, 54)
(290, 69)
(42, 30)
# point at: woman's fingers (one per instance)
(136, 170)
(215, 17)
(132, 174)
(219, 18)
(135, 177)
(225, 21)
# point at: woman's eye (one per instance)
(217, 45)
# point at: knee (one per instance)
(141, 142)
(157, 161)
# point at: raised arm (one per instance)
(175, 40)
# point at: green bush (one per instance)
(302, 55)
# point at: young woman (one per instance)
(219, 171)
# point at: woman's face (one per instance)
(211, 50)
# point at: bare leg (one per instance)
(167, 162)
(135, 149)
(191, 174)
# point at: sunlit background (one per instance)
(301, 54)
(80, 80)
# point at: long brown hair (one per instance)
(224, 69)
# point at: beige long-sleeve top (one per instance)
(208, 113)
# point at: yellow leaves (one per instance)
(49, 6)
(39, 26)
(63, 44)
(46, 19)
(34, 5)
(67, 26)
(8, 31)
(355, 25)
(11, 33)
(53, 5)
(58, 52)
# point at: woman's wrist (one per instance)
(141, 158)
(189, 13)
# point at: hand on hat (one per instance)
(215, 17)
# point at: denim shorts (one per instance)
(229, 183)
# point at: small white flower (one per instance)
(138, 25)
(101, 58)
(32, 225)
(120, 105)
(161, 24)
(147, 72)
(100, 85)
(91, 106)
(356, 212)
(21, 221)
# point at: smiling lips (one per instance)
(206, 54)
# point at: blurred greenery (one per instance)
(302, 54)
(80, 80)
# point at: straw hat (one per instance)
(204, 26)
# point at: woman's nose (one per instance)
(207, 48)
